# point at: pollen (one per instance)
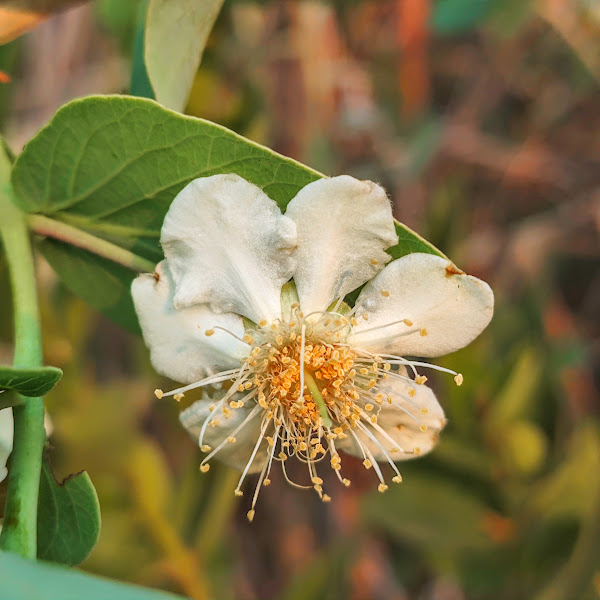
(209, 332)
(205, 467)
(458, 379)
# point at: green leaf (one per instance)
(68, 517)
(176, 34)
(31, 382)
(24, 579)
(430, 512)
(111, 165)
(457, 16)
(102, 283)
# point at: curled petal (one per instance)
(6, 439)
(179, 346)
(228, 246)
(406, 428)
(220, 428)
(344, 226)
(421, 305)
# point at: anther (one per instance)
(367, 463)
(385, 293)
(159, 393)
(458, 379)
(238, 492)
(209, 332)
(250, 515)
(231, 440)
(423, 428)
(382, 487)
(262, 323)
(397, 479)
(423, 332)
(267, 482)
(420, 379)
(408, 322)
(326, 498)
(204, 468)
(205, 448)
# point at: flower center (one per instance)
(304, 374)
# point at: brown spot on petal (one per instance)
(156, 276)
(452, 269)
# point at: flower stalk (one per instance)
(67, 233)
(19, 531)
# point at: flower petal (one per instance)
(422, 305)
(179, 346)
(228, 246)
(6, 439)
(402, 423)
(236, 454)
(344, 226)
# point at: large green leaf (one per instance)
(176, 34)
(68, 517)
(111, 165)
(33, 382)
(23, 579)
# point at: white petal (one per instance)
(179, 346)
(344, 226)
(6, 439)
(447, 308)
(228, 246)
(235, 454)
(402, 421)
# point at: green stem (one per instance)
(315, 392)
(19, 530)
(61, 231)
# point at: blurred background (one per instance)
(482, 120)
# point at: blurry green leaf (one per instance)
(323, 576)
(176, 34)
(524, 446)
(32, 382)
(112, 166)
(518, 394)
(140, 83)
(431, 512)
(574, 486)
(68, 517)
(457, 16)
(24, 579)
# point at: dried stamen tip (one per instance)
(458, 379)
(159, 393)
(250, 515)
(205, 467)
(382, 487)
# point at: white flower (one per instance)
(297, 371)
(6, 439)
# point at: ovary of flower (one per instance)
(304, 375)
